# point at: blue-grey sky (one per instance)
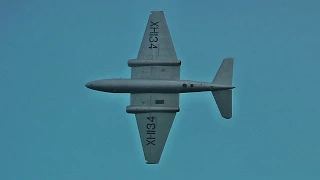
(53, 127)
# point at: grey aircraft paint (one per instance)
(155, 85)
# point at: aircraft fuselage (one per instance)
(153, 86)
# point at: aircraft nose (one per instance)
(97, 85)
(89, 85)
(94, 85)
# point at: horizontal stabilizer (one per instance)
(224, 102)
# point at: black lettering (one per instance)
(153, 39)
(151, 118)
(151, 142)
(152, 46)
(154, 24)
(154, 32)
(150, 137)
(151, 132)
(151, 126)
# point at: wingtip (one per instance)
(152, 162)
(228, 59)
(156, 11)
(227, 116)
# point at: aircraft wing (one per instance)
(154, 126)
(157, 45)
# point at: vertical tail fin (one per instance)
(223, 98)
(225, 73)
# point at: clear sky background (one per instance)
(53, 127)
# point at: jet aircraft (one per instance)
(155, 85)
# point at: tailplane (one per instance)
(224, 102)
(223, 98)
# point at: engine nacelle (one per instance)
(137, 63)
(146, 109)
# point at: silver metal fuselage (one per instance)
(153, 86)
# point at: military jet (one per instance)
(155, 85)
